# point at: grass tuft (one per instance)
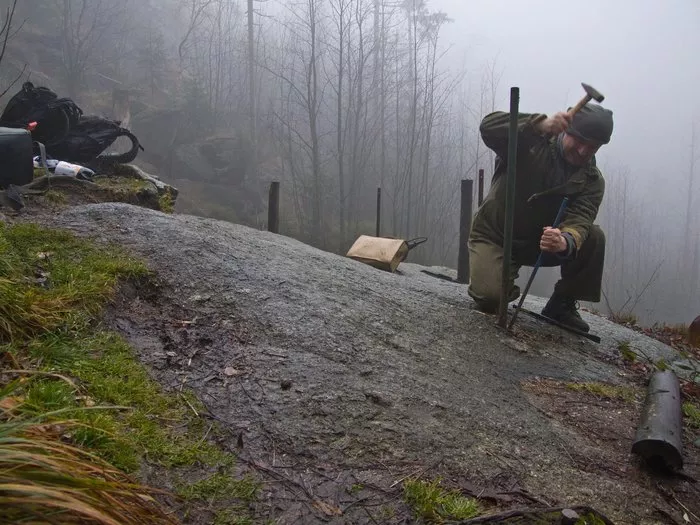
(221, 486)
(51, 280)
(692, 412)
(56, 197)
(626, 351)
(166, 203)
(624, 318)
(435, 504)
(41, 476)
(604, 390)
(123, 185)
(231, 517)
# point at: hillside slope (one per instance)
(330, 374)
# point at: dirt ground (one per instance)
(335, 381)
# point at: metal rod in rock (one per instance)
(379, 210)
(481, 187)
(510, 206)
(273, 209)
(538, 263)
(465, 225)
(659, 435)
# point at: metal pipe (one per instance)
(379, 210)
(510, 206)
(538, 263)
(465, 226)
(273, 208)
(660, 432)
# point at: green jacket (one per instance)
(536, 201)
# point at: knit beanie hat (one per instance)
(592, 123)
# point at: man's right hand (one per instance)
(555, 124)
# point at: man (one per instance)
(556, 159)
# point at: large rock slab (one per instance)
(331, 367)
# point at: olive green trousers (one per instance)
(581, 277)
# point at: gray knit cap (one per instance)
(593, 123)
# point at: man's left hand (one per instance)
(553, 241)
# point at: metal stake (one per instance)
(273, 208)
(510, 206)
(481, 187)
(379, 209)
(465, 225)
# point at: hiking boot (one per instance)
(565, 311)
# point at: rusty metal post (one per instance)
(465, 226)
(510, 206)
(273, 208)
(481, 186)
(379, 210)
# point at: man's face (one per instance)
(578, 152)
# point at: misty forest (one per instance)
(334, 99)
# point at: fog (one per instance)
(643, 58)
(352, 95)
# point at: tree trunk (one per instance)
(339, 126)
(312, 97)
(251, 94)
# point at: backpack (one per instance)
(63, 129)
(54, 116)
(89, 137)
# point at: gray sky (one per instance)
(641, 54)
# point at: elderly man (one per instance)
(556, 159)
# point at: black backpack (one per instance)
(54, 116)
(87, 139)
(62, 128)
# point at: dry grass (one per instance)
(45, 480)
(63, 460)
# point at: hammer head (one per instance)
(593, 93)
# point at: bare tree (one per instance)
(6, 32)
(340, 10)
(251, 91)
(85, 24)
(152, 59)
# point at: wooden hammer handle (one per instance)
(585, 100)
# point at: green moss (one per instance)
(604, 390)
(221, 486)
(55, 197)
(356, 487)
(49, 324)
(589, 519)
(661, 365)
(234, 516)
(692, 412)
(386, 512)
(166, 203)
(435, 504)
(120, 184)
